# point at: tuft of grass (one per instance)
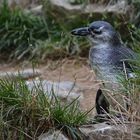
(134, 42)
(26, 114)
(19, 31)
(130, 87)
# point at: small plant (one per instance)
(28, 114)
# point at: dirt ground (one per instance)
(77, 71)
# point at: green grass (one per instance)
(25, 114)
(19, 31)
(26, 36)
(134, 42)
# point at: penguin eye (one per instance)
(97, 31)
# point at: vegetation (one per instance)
(132, 85)
(19, 32)
(24, 35)
(130, 92)
(25, 114)
(134, 42)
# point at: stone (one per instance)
(36, 10)
(23, 74)
(104, 131)
(21, 3)
(65, 90)
(100, 131)
(55, 135)
(118, 7)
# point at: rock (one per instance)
(103, 131)
(24, 74)
(65, 90)
(37, 10)
(29, 6)
(24, 4)
(118, 7)
(55, 135)
(63, 8)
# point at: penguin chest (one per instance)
(101, 63)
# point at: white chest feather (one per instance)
(101, 62)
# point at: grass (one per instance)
(26, 36)
(131, 87)
(26, 114)
(129, 91)
(19, 31)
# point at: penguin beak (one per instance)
(80, 31)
